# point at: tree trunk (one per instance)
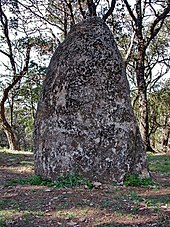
(166, 135)
(142, 45)
(12, 139)
(142, 91)
(16, 79)
(140, 76)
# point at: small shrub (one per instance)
(134, 180)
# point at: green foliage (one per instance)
(157, 200)
(159, 106)
(34, 180)
(72, 180)
(150, 201)
(134, 180)
(159, 163)
(67, 181)
(8, 203)
(114, 183)
(135, 197)
(2, 221)
(70, 215)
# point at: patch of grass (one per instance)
(9, 216)
(71, 181)
(114, 183)
(135, 200)
(106, 202)
(136, 197)
(8, 203)
(70, 215)
(131, 215)
(135, 208)
(134, 180)
(27, 163)
(158, 200)
(150, 201)
(27, 218)
(34, 180)
(2, 221)
(67, 181)
(159, 163)
(39, 213)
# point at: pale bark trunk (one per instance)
(166, 136)
(12, 139)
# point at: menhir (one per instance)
(85, 122)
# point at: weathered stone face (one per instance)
(84, 122)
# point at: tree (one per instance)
(16, 50)
(159, 116)
(62, 14)
(16, 78)
(25, 104)
(144, 36)
(136, 32)
(157, 61)
(147, 21)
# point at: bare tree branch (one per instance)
(130, 11)
(3, 52)
(71, 10)
(110, 11)
(4, 22)
(15, 81)
(160, 19)
(39, 16)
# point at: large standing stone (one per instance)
(84, 122)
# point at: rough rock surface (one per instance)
(84, 122)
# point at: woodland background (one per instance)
(31, 30)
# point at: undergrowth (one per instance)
(67, 181)
(134, 180)
(72, 180)
(159, 163)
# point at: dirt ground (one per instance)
(41, 206)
